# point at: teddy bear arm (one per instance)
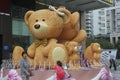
(52, 41)
(80, 37)
(96, 59)
(96, 56)
(31, 50)
(39, 58)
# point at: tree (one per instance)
(117, 46)
(88, 41)
(105, 43)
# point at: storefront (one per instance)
(13, 29)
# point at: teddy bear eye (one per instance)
(36, 20)
(43, 19)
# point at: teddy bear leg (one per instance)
(39, 61)
(75, 58)
(59, 53)
(74, 64)
(31, 61)
(96, 63)
(99, 62)
(17, 55)
(91, 62)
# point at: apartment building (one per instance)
(115, 29)
(97, 25)
(89, 21)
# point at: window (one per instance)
(102, 18)
(102, 24)
(102, 12)
(102, 31)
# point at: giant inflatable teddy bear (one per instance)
(17, 57)
(46, 26)
(74, 57)
(72, 36)
(50, 27)
(72, 31)
(93, 53)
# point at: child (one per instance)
(60, 73)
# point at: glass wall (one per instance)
(20, 32)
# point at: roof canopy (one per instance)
(79, 5)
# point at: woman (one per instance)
(25, 67)
(60, 73)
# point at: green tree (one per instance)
(105, 43)
(117, 46)
(88, 41)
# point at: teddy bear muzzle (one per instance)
(37, 26)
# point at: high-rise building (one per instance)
(97, 22)
(115, 29)
(89, 21)
(106, 22)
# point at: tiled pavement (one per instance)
(116, 73)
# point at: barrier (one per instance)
(78, 74)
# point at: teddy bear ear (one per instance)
(75, 18)
(27, 15)
(67, 13)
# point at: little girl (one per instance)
(60, 73)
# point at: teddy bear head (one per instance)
(72, 28)
(96, 47)
(46, 23)
(72, 47)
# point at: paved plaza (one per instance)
(116, 73)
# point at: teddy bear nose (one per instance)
(37, 26)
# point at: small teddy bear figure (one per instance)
(92, 53)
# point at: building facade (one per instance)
(88, 22)
(115, 29)
(97, 22)
(13, 30)
(106, 22)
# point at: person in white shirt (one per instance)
(112, 61)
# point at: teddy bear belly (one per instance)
(58, 54)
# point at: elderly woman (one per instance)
(25, 67)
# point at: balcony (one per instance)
(78, 5)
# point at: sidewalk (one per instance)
(116, 74)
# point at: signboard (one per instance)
(109, 52)
(106, 55)
(109, 1)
